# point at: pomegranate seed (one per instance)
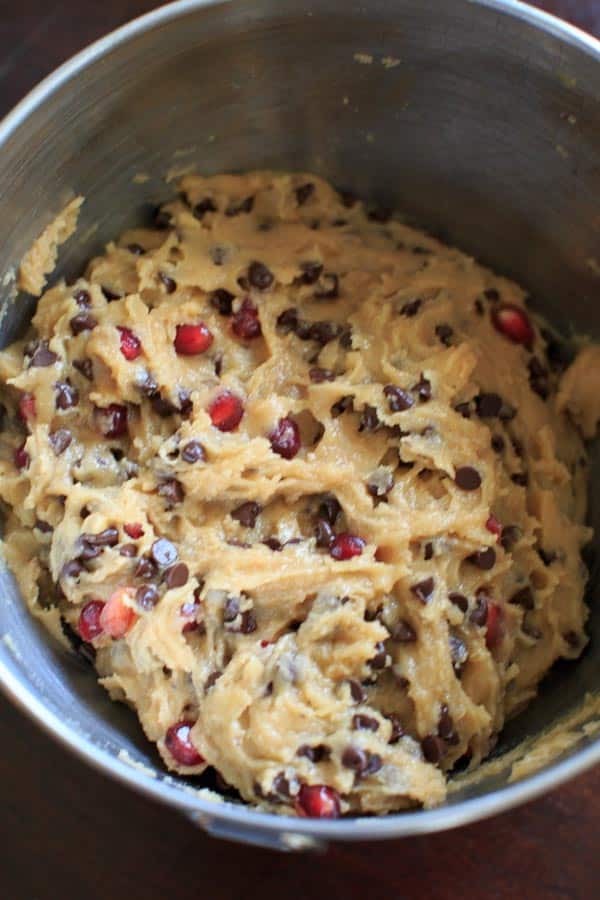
(192, 339)
(513, 322)
(346, 545)
(134, 531)
(285, 438)
(131, 346)
(27, 409)
(264, 643)
(112, 420)
(245, 323)
(494, 629)
(226, 411)
(494, 526)
(317, 801)
(89, 626)
(117, 618)
(179, 744)
(21, 457)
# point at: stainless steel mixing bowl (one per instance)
(480, 119)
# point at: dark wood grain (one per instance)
(67, 832)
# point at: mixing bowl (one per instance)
(481, 120)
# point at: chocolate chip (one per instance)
(360, 722)
(342, 405)
(172, 491)
(42, 356)
(231, 609)
(357, 692)
(162, 407)
(497, 443)
(247, 513)
(318, 375)
(345, 337)
(329, 509)
(488, 405)
(145, 569)
(288, 320)
(411, 308)
(424, 589)
(446, 729)
(369, 420)
(423, 389)
(323, 332)
(212, 679)
(379, 660)
(110, 295)
(169, 284)
(248, 624)
(44, 527)
(82, 322)
(492, 295)
(444, 332)
(260, 276)
(324, 534)
(176, 576)
(484, 559)
(128, 550)
(222, 301)
(479, 613)
(82, 298)
(428, 551)
(459, 600)
(273, 544)
(316, 754)
(559, 355)
(71, 569)
(147, 596)
(85, 366)
(464, 409)
(193, 452)
(163, 552)
(329, 285)
(380, 484)
(107, 538)
(311, 272)
(397, 728)
(398, 400)
(467, 478)
(403, 632)
(509, 537)
(205, 205)
(304, 192)
(433, 748)
(162, 219)
(523, 598)
(66, 395)
(458, 653)
(244, 206)
(547, 556)
(520, 478)
(60, 440)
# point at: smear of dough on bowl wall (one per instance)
(307, 485)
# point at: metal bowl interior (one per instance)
(480, 120)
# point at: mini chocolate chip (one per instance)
(380, 485)
(304, 192)
(398, 400)
(193, 452)
(329, 285)
(205, 205)
(281, 788)
(66, 395)
(60, 440)
(411, 308)
(162, 407)
(231, 609)
(273, 544)
(324, 534)
(318, 375)
(458, 653)
(403, 632)
(345, 337)
(82, 298)
(315, 754)
(360, 722)
(428, 551)
(464, 409)
(523, 598)
(520, 478)
(444, 332)
(243, 206)
(136, 249)
(288, 320)
(329, 509)
(497, 443)
(218, 365)
(163, 552)
(222, 301)
(492, 295)
(479, 613)
(42, 356)
(342, 405)
(372, 614)
(161, 219)
(110, 295)
(247, 513)
(168, 282)
(509, 537)
(323, 332)
(260, 276)
(488, 405)
(172, 491)
(446, 729)
(423, 389)
(357, 692)
(248, 623)
(459, 600)
(433, 748)
(374, 763)
(356, 759)
(85, 366)
(176, 576)
(379, 660)
(71, 569)
(369, 420)
(467, 478)
(547, 556)
(397, 728)
(484, 559)
(44, 527)
(311, 272)
(212, 679)
(145, 569)
(128, 550)
(107, 538)
(147, 596)
(424, 589)
(82, 322)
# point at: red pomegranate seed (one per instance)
(131, 346)
(27, 409)
(192, 339)
(494, 526)
(117, 617)
(179, 744)
(494, 629)
(21, 457)
(245, 323)
(317, 801)
(513, 322)
(112, 420)
(264, 643)
(134, 531)
(285, 438)
(226, 411)
(346, 545)
(89, 626)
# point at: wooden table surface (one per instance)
(67, 832)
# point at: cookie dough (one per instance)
(295, 477)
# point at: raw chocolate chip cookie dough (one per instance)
(303, 482)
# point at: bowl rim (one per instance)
(246, 819)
